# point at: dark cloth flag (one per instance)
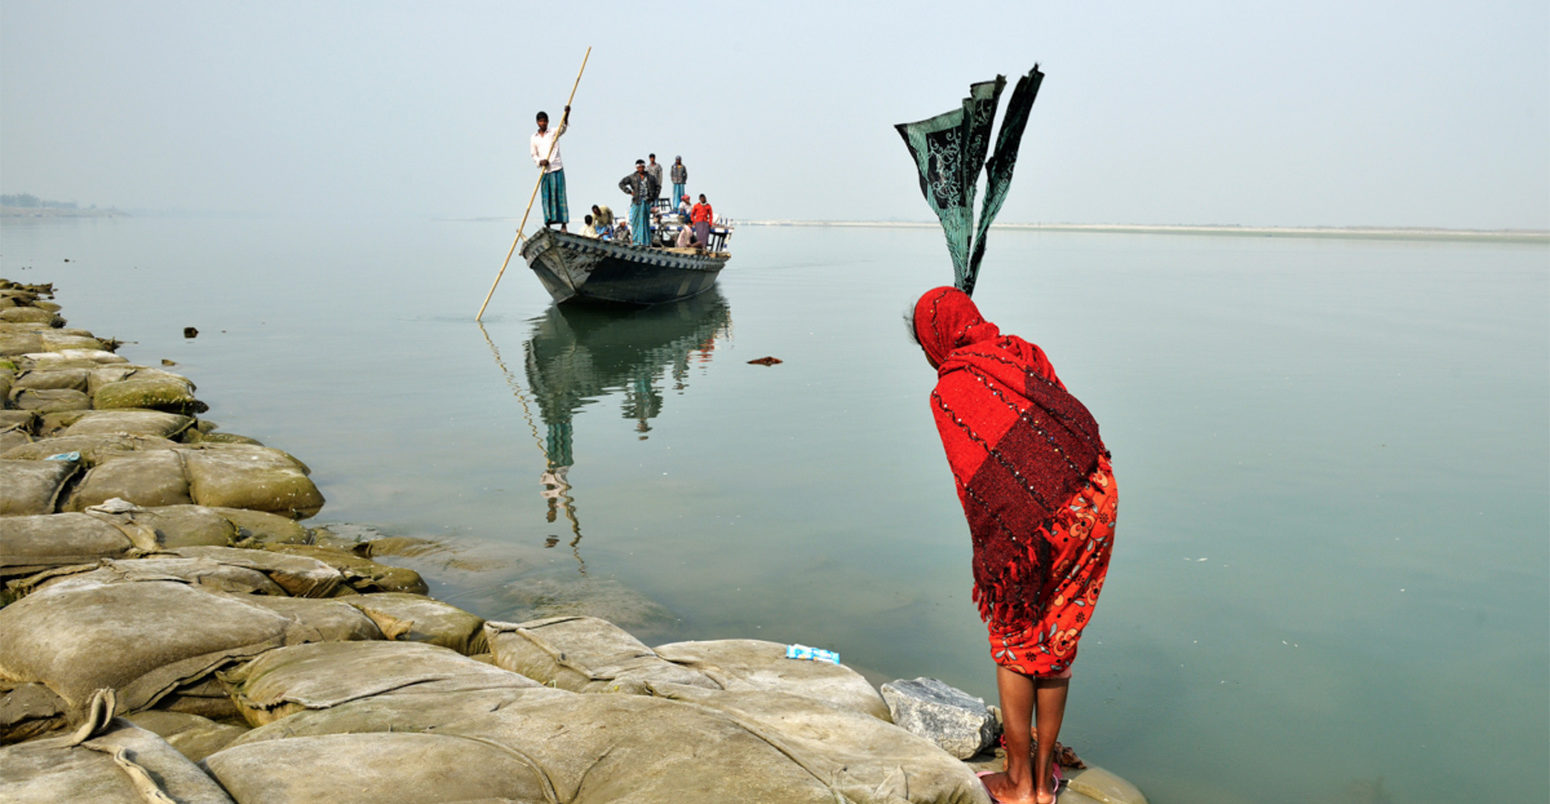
(949, 150)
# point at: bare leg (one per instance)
(1016, 785)
(1050, 701)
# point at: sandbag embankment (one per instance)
(80, 425)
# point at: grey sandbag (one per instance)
(299, 576)
(860, 757)
(29, 710)
(30, 544)
(144, 478)
(193, 736)
(141, 639)
(188, 525)
(333, 620)
(150, 389)
(32, 487)
(323, 675)
(93, 448)
(31, 315)
(12, 437)
(593, 749)
(258, 528)
(416, 618)
(209, 575)
(584, 654)
(72, 378)
(58, 341)
(130, 422)
(103, 759)
(69, 358)
(754, 664)
(247, 476)
(383, 768)
(362, 574)
(49, 400)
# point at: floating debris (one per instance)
(190, 332)
(766, 361)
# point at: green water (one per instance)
(1331, 578)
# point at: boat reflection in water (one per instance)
(580, 354)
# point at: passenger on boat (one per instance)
(683, 206)
(590, 229)
(655, 169)
(642, 189)
(680, 177)
(685, 238)
(602, 215)
(545, 149)
(702, 215)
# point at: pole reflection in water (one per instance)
(578, 355)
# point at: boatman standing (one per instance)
(642, 190)
(545, 148)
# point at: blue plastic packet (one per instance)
(812, 654)
(64, 456)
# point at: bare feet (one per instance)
(1005, 791)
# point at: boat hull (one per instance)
(576, 269)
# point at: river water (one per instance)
(1331, 578)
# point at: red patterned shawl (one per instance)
(1018, 443)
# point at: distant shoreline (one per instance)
(58, 212)
(1358, 232)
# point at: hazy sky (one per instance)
(1342, 113)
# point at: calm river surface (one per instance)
(1331, 578)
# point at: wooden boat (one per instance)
(574, 269)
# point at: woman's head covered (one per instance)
(946, 319)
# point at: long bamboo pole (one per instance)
(554, 143)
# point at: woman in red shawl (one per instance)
(1038, 492)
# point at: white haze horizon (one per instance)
(1326, 115)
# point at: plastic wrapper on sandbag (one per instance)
(147, 479)
(361, 574)
(105, 759)
(377, 769)
(323, 675)
(32, 487)
(194, 736)
(49, 400)
(31, 544)
(142, 639)
(755, 664)
(245, 476)
(298, 575)
(584, 654)
(407, 617)
(130, 422)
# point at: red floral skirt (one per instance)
(1081, 537)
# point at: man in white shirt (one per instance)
(545, 149)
